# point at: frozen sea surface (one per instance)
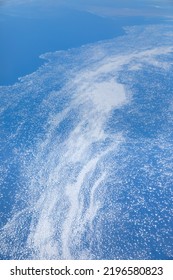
(87, 152)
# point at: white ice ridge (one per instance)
(67, 173)
(93, 99)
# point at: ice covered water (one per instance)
(87, 152)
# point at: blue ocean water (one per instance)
(29, 30)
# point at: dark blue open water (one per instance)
(27, 35)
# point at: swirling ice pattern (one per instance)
(76, 164)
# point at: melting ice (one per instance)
(89, 171)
